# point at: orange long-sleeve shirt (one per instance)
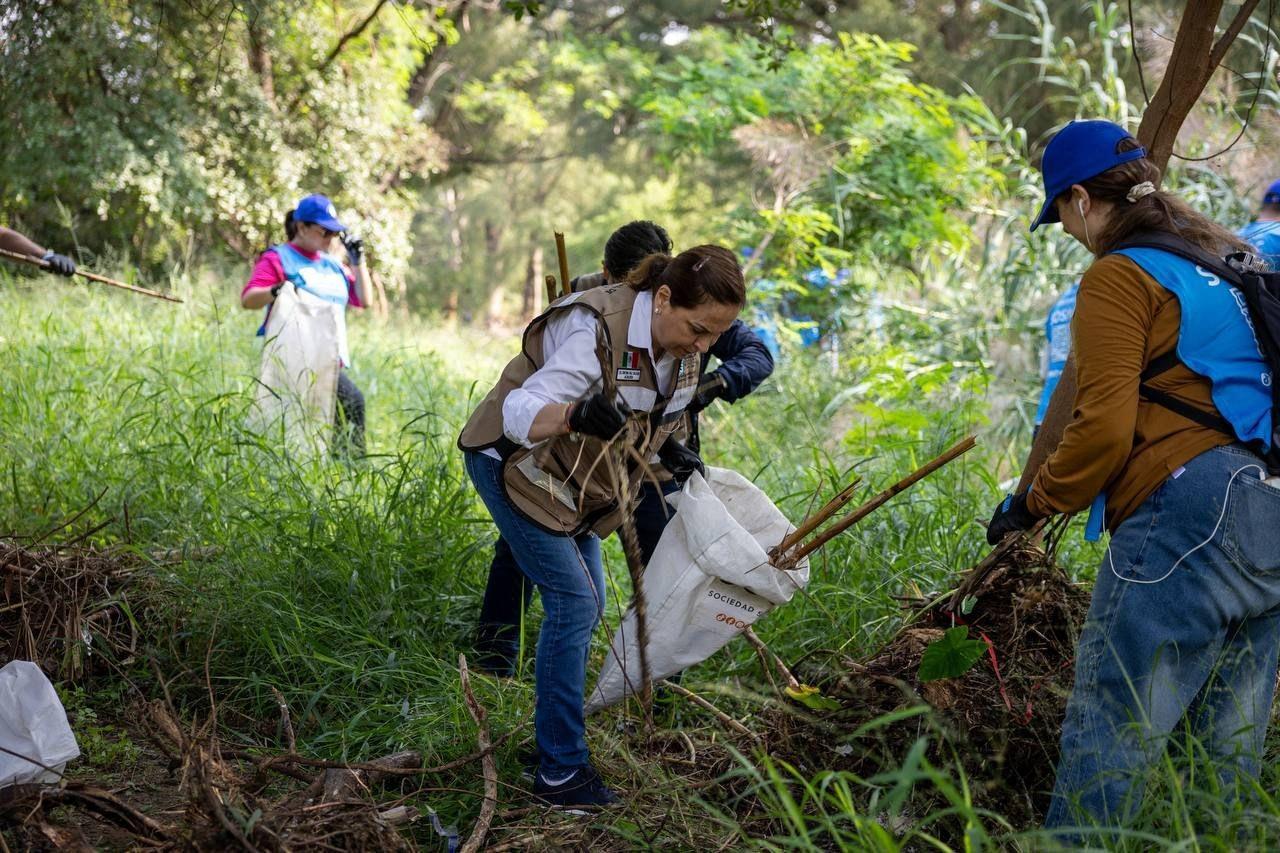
(1115, 442)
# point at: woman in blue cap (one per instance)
(305, 261)
(1173, 404)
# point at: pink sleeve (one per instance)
(267, 272)
(353, 295)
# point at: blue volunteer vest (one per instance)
(1057, 333)
(1265, 237)
(322, 277)
(1216, 341)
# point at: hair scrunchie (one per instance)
(1139, 191)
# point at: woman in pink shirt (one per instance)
(305, 263)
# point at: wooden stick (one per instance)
(766, 654)
(563, 257)
(487, 764)
(552, 290)
(879, 500)
(707, 706)
(44, 265)
(811, 523)
(286, 722)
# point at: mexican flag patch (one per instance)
(629, 370)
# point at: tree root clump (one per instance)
(1001, 719)
(64, 607)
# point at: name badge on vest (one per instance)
(630, 369)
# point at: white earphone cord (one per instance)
(1088, 244)
(1221, 515)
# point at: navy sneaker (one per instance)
(576, 793)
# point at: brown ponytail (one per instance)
(1156, 211)
(701, 274)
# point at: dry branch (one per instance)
(16, 800)
(286, 723)
(814, 521)
(767, 656)
(729, 722)
(341, 784)
(478, 713)
(879, 500)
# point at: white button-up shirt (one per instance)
(571, 370)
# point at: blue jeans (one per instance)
(1199, 642)
(508, 592)
(570, 577)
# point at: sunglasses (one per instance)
(327, 233)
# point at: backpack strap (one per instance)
(1176, 245)
(1163, 364)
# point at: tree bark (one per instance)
(1194, 58)
(260, 59)
(532, 296)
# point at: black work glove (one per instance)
(1011, 515)
(711, 388)
(680, 460)
(355, 249)
(599, 416)
(60, 264)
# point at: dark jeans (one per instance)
(349, 425)
(508, 592)
(570, 577)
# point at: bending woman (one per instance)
(305, 261)
(534, 449)
(1172, 407)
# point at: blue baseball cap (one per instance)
(1080, 151)
(318, 209)
(1273, 194)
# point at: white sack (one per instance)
(298, 382)
(34, 724)
(708, 580)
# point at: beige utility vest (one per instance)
(565, 485)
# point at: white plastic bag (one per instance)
(33, 724)
(298, 382)
(709, 579)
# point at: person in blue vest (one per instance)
(1263, 233)
(305, 260)
(1172, 408)
(744, 364)
(1057, 334)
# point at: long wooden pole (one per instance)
(879, 500)
(812, 523)
(563, 257)
(550, 282)
(44, 265)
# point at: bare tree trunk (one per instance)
(454, 226)
(492, 270)
(531, 302)
(260, 59)
(493, 313)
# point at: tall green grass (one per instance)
(352, 586)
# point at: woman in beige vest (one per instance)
(602, 381)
